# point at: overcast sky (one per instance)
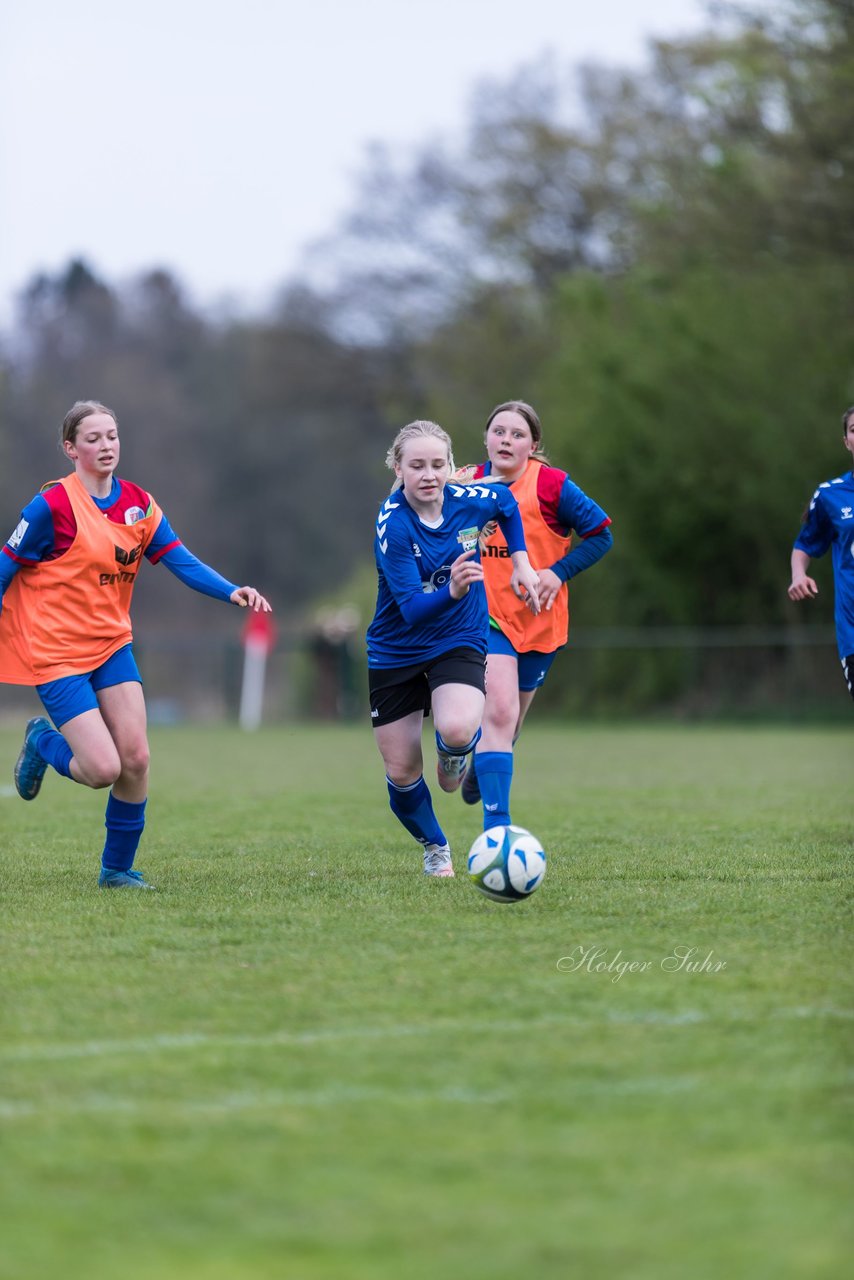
(216, 138)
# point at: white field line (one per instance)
(267, 1100)
(270, 1101)
(187, 1041)
(297, 1039)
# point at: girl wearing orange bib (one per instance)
(67, 575)
(565, 532)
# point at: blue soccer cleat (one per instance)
(30, 767)
(112, 879)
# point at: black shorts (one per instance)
(398, 691)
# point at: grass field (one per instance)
(302, 1059)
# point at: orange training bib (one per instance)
(547, 631)
(67, 616)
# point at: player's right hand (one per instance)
(463, 573)
(802, 588)
(249, 598)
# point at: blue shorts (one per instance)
(533, 666)
(72, 695)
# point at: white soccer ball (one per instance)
(507, 863)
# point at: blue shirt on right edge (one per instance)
(830, 524)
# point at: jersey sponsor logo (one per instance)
(847, 513)
(110, 579)
(467, 538)
(18, 535)
(439, 578)
(416, 550)
(501, 552)
(133, 515)
(127, 557)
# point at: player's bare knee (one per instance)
(504, 717)
(403, 775)
(100, 774)
(135, 763)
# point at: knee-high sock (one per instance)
(495, 774)
(442, 746)
(124, 823)
(53, 748)
(476, 755)
(413, 807)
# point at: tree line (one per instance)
(663, 268)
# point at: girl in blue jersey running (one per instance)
(829, 523)
(427, 640)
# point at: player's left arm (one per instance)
(167, 548)
(591, 525)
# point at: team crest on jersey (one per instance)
(133, 515)
(17, 537)
(467, 538)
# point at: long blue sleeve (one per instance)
(188, 569)
(510, 523)
(8, 569)
(423, 606)
(584, 554)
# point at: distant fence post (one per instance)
(259, 636)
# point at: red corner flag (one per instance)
(259, 632)
(259, 637)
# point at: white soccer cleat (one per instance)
(437, 860)
(450, 770)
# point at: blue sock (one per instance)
(442, 746)
(124, 823)
(413, 807)
(495, 775)
(53, 748)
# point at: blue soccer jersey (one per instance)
(830, 524)
(416, 617)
